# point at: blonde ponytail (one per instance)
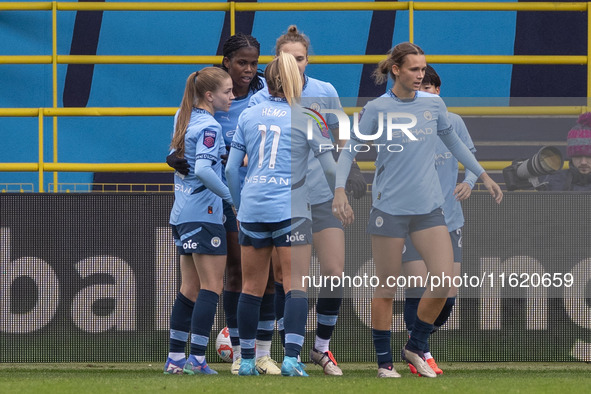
(283, 77)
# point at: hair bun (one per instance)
(585, 119)
(292, 29)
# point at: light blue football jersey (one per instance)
(316, 95)
(228, 120)
(447, 169)
(405, 180)
(275, 139)
(193, 202)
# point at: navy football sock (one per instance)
(296, 314)
(442, 318)
(381, 342)
(266, 318)
(202, 320)
(419, 336)
(445, 312)
(231, 312)
(249, 307)
(412, 297)
(180, 323)
(279, 310)
(328, 312)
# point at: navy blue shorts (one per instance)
(297, 231)
(322, 217)
(399, 226)
(229, 218)
(410, 253)
(199, 237)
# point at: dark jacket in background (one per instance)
(568, 180)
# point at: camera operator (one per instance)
(578, 148)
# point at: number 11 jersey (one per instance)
(277, 144)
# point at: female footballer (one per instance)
(274, 206)
(197, 217)
(447, 170)
(241, 55)
(240, 60)
(327, 231)
(407, 198)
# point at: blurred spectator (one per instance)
(578, 148)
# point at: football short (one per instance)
(399, 226)
(322, 217)
(410, 253)
(200, 238)
(296, 231)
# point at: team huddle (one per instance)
(257, 184)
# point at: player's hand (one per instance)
(341, 208)
(462, 191)
(492, 187)
(349, 214)
(356, 184)
(180, 164)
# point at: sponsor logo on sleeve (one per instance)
(209, 138)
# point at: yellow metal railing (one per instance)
(111, 188)
(16, 188)
(233, 7)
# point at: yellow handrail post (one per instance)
(54, 84)
(40, 159)
(588, 56)
(232, 18)
(411, 21)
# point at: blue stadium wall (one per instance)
(145, 139)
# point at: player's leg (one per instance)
(266, 326)
(279, 295)
(180, 316)
(264, 337)
(441, 320)
(255, 270)
(415, 272)
(386, 254)
(434, 245)
(295, 262)
(456, 241)
(210, 269)
(330, 249)
(232, 289)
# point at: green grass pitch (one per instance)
(358, 378)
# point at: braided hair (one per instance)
(237, 42)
